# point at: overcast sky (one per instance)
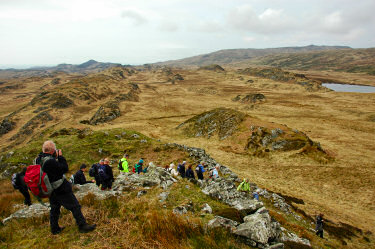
(49, 32)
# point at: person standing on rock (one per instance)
(55, 166)
(79, 176)
(125, 164)
(19, 183)
(319, 225)
(244, 186)
(106, 175)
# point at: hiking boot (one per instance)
(58, 230)
(87, 228)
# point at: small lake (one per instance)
(349, 88)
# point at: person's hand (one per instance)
(93, 181)
(59, 152)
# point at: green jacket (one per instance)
(125, 165)
(244, 186)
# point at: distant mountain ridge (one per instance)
(90, 66)
(227, 56)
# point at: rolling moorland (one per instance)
(280, 128)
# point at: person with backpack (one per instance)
(182, 169)
(244, 186)
(93, 172)
(106, 175)
(79, 176)
(138, 166)
(200, 170)
(190, 172)
(55, 166)
(19, 184)
(123, 164)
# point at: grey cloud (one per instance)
(270, 21)
(135, 16)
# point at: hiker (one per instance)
(93, 172)
(172, 170)
(190, 173)
(319, 225)
(256, 195)
(215, 171)
(200, 170)
(138, 166)
(18, 183)
(106, 175)
(244, 186)
(181, 169)
(79, 176)
(124, 164)
(55, 166)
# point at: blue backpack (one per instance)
(102, 172)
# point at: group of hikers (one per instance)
(53, 163)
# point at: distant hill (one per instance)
(87, 67)
(240, 55)
(347, 60)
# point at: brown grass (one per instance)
(342, 189)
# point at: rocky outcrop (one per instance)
(91, 188)
(278, 74)
(219, 221)
(259, 228)
(250, 98)
(36, 122)
(155, 176)
(212, 67)
(35, 210)
(6, 126)
(111, 110)
(60, 101)
(220, 121)
(107, 112)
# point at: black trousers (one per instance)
(107, 184)
(25, 192)
(320, 233)
(68, 201)
(97, 180)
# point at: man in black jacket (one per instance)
(55, 166)
(79, 176)
(107, 178)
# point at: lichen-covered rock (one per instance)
(83, 190)
(206, 209)
(290, 236)
(219, 221)
(35, 210)
(259, 227)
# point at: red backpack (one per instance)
(38, 182)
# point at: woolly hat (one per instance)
(141, 161)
